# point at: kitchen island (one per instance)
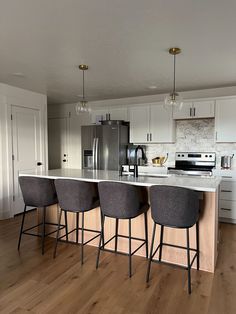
(208, 223)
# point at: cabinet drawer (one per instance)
(227, 209)
(228, 190)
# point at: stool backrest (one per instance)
(75, 195)
(174, 206)
(121, 200)
(38, 192)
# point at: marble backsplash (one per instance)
(192, 136)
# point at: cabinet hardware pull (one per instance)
(148, 137)
(227, 177)
(226, 191)
(228, 209)
(190, 112)
(194, 111)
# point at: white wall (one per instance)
(10, 95)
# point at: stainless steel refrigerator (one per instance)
(104, 147)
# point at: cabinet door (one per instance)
(184, 113)
(162, 125)
(204, 109)
(139, 124)
(118, 114)
(225, 120)
(98, 114)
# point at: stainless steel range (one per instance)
(192, 163)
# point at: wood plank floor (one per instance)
(32, 283)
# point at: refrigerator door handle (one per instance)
(94, 153)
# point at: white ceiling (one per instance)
(124, 42)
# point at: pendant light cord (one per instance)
(174, 77)
(83, 84)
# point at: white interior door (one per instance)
(58, 143)
(26, 147)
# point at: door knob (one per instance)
(39, 163)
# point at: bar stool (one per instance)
(174, 207)
(122, 201)
(40, 193)
(76, 197)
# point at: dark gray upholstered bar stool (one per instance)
(174, 207)
(77, 197)
(122, 201)
(40, 193)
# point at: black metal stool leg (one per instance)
(146, 233)
(22, 226)
(130, 256)
(77, 227)
(65, 213)
(197, 244)
(82, 240)
(188, 261)
(151, 252)
(161, 242)
(116, 238)
(43, 229)
(100, 240)
(57, 236)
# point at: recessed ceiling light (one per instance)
(18, 74)
(152, 87)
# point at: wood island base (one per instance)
(208, 233)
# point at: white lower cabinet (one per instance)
(227, 209)
(227, 195)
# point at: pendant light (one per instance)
(174, 99)
(82, 106)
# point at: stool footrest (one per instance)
(102, 247)
(40, 224)
(172, 264)
(73, 230)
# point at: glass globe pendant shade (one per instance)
(82, 107)
(174, 100)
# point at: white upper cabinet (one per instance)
(204, 109)
(151, 124)
(225, 120)
(115, 114)
(139, 124)
(184, 113)
(118, 113)
(195, 110)
(162, 125)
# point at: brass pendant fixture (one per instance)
(82, 106)
(174, 99)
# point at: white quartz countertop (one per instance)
(204, 184)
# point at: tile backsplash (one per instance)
(192, 136)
